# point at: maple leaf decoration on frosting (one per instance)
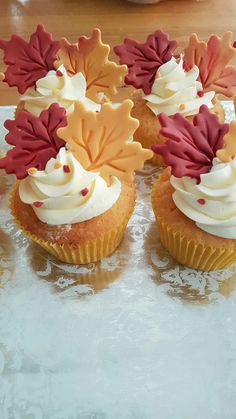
(100, 140)
(228, 153)
(212, 58)
(144, 59)
(90, 56)
(190, 146)
(28, 61)
(35, 140)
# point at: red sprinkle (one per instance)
(59, 73)
(37, 204)
(66, 168)
(200, 93)
(84, 191)
(201, 201)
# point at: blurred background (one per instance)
(116, 19)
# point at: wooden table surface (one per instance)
(116, 19)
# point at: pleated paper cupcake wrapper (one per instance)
(86, 252)
(191, 253)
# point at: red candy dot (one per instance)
(84, 191)
(37, 204)
(200, 93)
(201, 201)
(66, 168)
(59, 73)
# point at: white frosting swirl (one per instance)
(175, 90)
(60, 192)
(212, 202)
(62, 89)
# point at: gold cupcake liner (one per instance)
(191, 253)
(86, 252)
(90, 251)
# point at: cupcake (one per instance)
(194, 199)
(174, 83)
(75, 191)
(47, 71)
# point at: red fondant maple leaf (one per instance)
(212, 58)
(190, 146)
(143, 60)
(35, 140)
(28, 61)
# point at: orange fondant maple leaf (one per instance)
(90, 56)
(228, 152)
(101, 140)
(212, 58)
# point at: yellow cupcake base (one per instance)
(192, 254)
(86, 251)
(90, 251)
(187, 248)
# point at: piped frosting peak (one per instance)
(175, 90)
(57, 86)
(65, 193)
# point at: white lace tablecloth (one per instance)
(135, 336)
